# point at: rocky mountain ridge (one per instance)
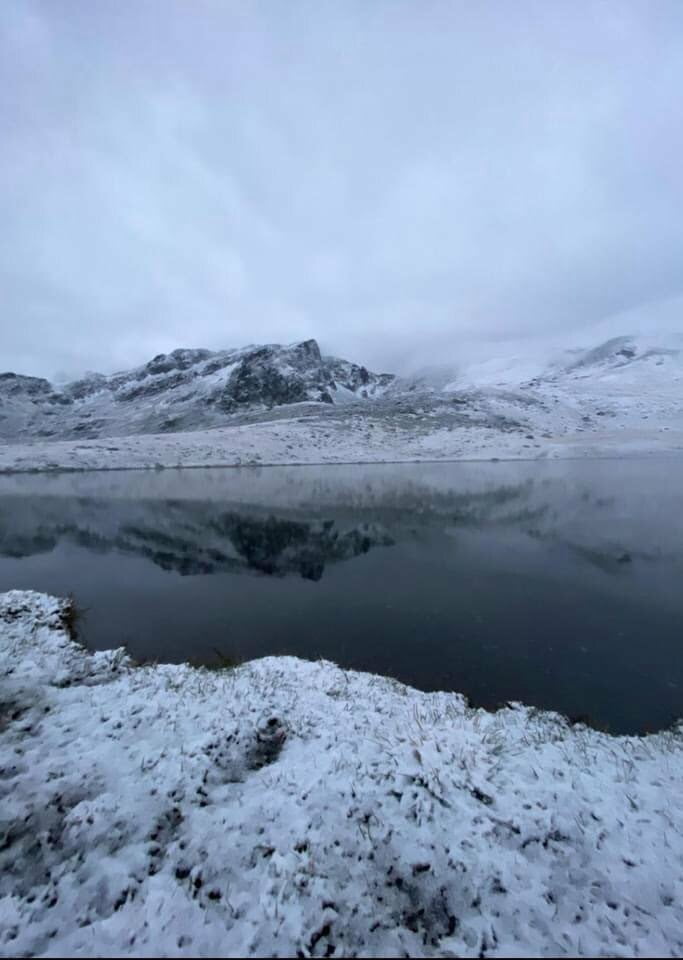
(634, 383)
(183, 390)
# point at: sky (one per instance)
(396, 179)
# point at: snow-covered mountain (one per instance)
(643, 359)
(637, 367)
(625, 386)
(182, 390)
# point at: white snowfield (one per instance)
(348, 439)
(290, 808)
(356, 439)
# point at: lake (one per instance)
(559, 584)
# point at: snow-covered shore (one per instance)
(289, 807)
(343, 439)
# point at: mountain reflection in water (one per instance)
(554, 584)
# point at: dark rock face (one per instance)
(150, 387)
(182, 390)
(256, 384)
(272, 376)
(307, 352)
(178, 360)
(357, 378)
(80, 389)
(16, 385)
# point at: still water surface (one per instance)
(558, 584)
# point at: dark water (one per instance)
(558, 584)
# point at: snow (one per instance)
(551, 421)
(287, 807)
(623, 397)
(188, 388)
(639, 429)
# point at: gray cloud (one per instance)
(391, 177)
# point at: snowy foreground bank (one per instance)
(288, 808)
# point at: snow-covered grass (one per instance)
(286, 807)
(333, 437)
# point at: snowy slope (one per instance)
(613, 392)
(288, 808)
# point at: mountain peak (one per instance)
(307, 349)
(186, 389)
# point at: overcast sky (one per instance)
(393, 178)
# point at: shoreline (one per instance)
(625, 453)
(654, 455)
(288, 806)
(352, 438)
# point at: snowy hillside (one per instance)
(642, 361)
(290, 808)
(277, 404)
(622, 385)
